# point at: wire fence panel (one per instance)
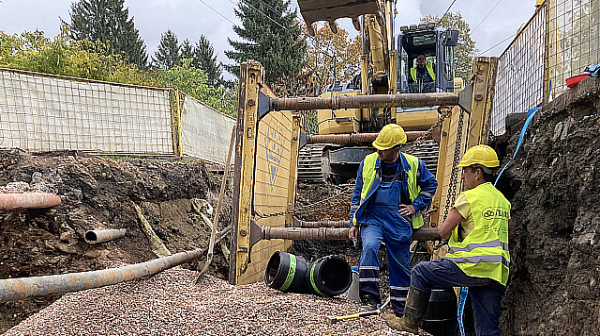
(205, 132)
(573, 41)
(520, 78)
(44, 113)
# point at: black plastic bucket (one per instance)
(441, 317)
(286, 272)
(329, 276)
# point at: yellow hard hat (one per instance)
(390, 135)
(480, 154)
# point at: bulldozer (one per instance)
(387, 66)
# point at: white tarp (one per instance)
(43, 113)
(205, 132)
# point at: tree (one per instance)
(465, 50)
(270, 34)
(168, 54)
(187, 51)
(333, 56)
(108, 21)
(205, 59)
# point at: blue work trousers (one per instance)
(485, 293)
(389, 227)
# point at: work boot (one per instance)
(416, 304)
(399, 323)
(368, 303)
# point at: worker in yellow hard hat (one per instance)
(392, 190)
(478, 229)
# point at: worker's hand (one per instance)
(353, 234)
(406, 210)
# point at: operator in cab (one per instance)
(422, 76)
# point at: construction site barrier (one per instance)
(23, 288)
(28, 201)
(101, 236)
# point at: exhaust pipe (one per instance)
(101, 236)
(23, 288)
(28, 201)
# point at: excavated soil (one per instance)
(99, 193)
(553, 183)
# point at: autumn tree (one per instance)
(108, 21)
(333, 56)
(270, 33)
(465, 50)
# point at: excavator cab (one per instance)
(434, 49)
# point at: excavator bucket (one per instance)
(330, 10)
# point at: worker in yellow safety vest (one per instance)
(478, 229)
(391, 192)
(422, 72)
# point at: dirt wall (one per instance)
(99, 193)
(554, 286)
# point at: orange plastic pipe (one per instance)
(28, 201)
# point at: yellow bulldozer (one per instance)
(388, 65)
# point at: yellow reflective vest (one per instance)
(428, 66)
(484, 251)
(369, 174)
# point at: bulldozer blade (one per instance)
(322, 10)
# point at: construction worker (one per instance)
(422, 72)
(392, 189)
(478, 228)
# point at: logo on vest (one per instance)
(495, 213)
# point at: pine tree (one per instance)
(275, 41)
(168, 54)
(186, 50)
(205, 59)
(108, 21)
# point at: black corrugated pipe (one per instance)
(328, 276)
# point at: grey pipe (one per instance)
(101, 236)
(23, 288)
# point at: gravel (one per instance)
(169, 303)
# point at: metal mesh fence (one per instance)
(573, 41)
(44, 113)
(519, 82)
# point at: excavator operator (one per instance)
(422, 76)
(392, 190)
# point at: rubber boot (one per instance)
(414, 311)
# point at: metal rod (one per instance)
(22, 288)
(28, 201)
(354, 138)
(259, 232)
(304, 224)
(364, 101)
(101, 236)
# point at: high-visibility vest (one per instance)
(484, 251)
(371, 183)
(428, 66)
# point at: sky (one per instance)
(189, 19)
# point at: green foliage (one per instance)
(193, 81)
(168, 54)
(108, 21)
(275, 41)
(187, 51)
(465, 50)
